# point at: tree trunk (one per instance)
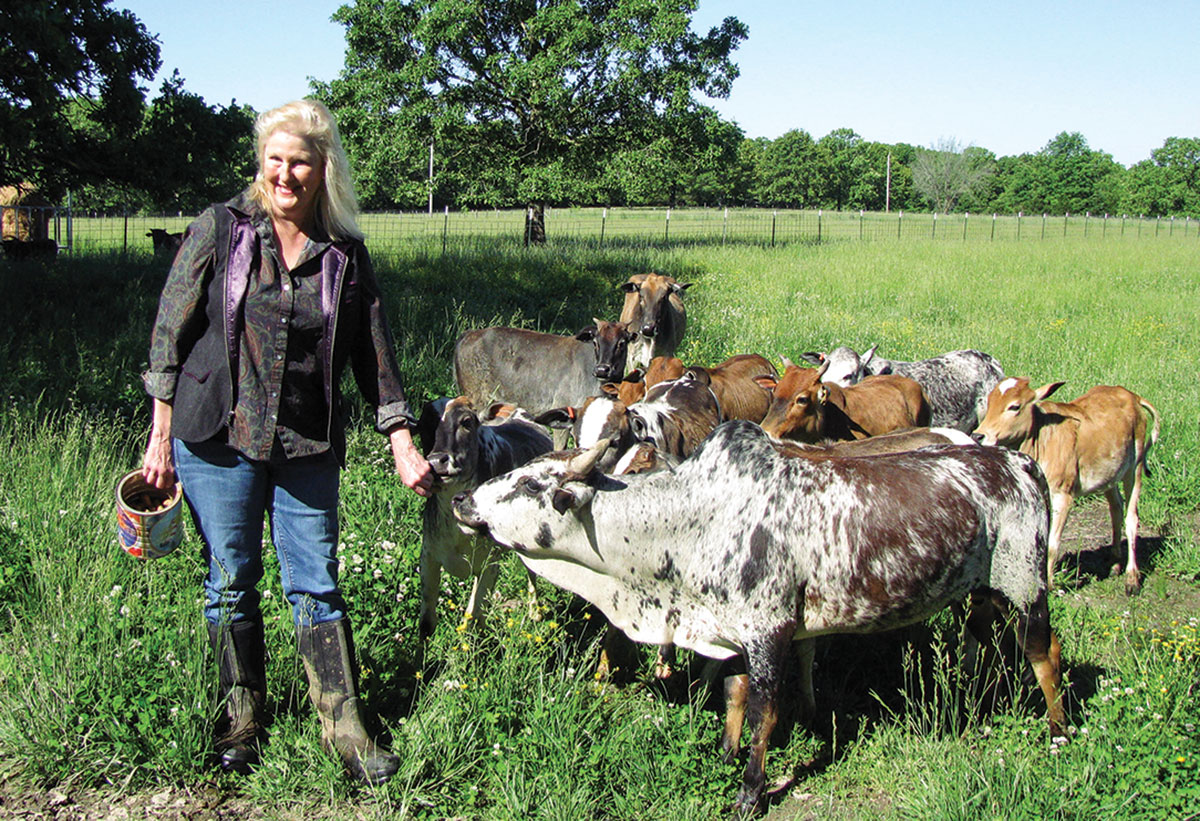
(535, 224)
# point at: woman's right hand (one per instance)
(158, 465)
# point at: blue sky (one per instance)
(1005, 76)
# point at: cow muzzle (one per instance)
(464, 510)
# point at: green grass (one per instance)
(105, 679)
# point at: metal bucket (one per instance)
(148, 523)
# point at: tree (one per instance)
(945, 173)
(197, 154)
(64, 54)
(530, 95)
(1169, 182)
(788, 171)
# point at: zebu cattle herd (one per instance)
(735, 511)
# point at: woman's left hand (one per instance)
(412, 467)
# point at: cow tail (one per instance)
(1153, 434)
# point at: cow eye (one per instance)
(530, 485)
(1014, 407)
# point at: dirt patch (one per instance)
(66, 804)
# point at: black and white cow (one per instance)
(465, 451)
(956, 383)
(743, 549)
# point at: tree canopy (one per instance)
(69, 73)
(524, 100)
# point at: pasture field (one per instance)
(106, 683)
(665, 227)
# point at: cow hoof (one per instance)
(744, 807)
(1133, 587)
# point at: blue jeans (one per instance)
(229, 495)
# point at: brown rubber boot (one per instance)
(241, 653)
(327, 654)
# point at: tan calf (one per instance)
(1096, 443)
(807, 410)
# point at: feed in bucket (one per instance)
(148, 524)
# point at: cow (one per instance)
(673, 416)
(1092, 444)
(465, 451)
(806, 409)
(538, 371)
(956, 383)
(654, 310)
(742, 550)
(30, 248)
(732, 381)
(164, 242)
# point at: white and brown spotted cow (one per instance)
(464, 451)
(1096, 443)
(742, 549)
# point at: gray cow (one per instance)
(538, 371)
(743, 549)
(956, 383)
(465, 451)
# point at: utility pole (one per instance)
(431, 178)
(887, 197)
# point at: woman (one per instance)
(269, 296)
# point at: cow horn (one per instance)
(581, 464)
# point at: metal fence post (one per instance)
(933, 231)
(774, 215)
(1018, 225)
(820, 214)
(993, 226)
(1066, 217)
(603, 220)
(1104, 227)
(725, 225)
(899, 222)
(966, 216)
(445, 228)
(860, 224)
(667, 227)
(1043, 225)
(125, 230)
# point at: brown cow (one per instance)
(807, 410)
(732, 382)
(654, 310)
(1092, 444)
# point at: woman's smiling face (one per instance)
(294, 174)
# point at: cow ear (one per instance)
(629, 287)
(821, 370)
(1045, 390)
(635, 375)
(813, 357)
(556, 418)
(587, 334)
(427, 425)
(767, 382)
(563, 500)
(679, 287)
(787, 363)
(866, 357)
(499, 410)
(610, 390)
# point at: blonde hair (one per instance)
(336, 205)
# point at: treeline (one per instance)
(839, 171)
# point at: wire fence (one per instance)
(654, 227)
